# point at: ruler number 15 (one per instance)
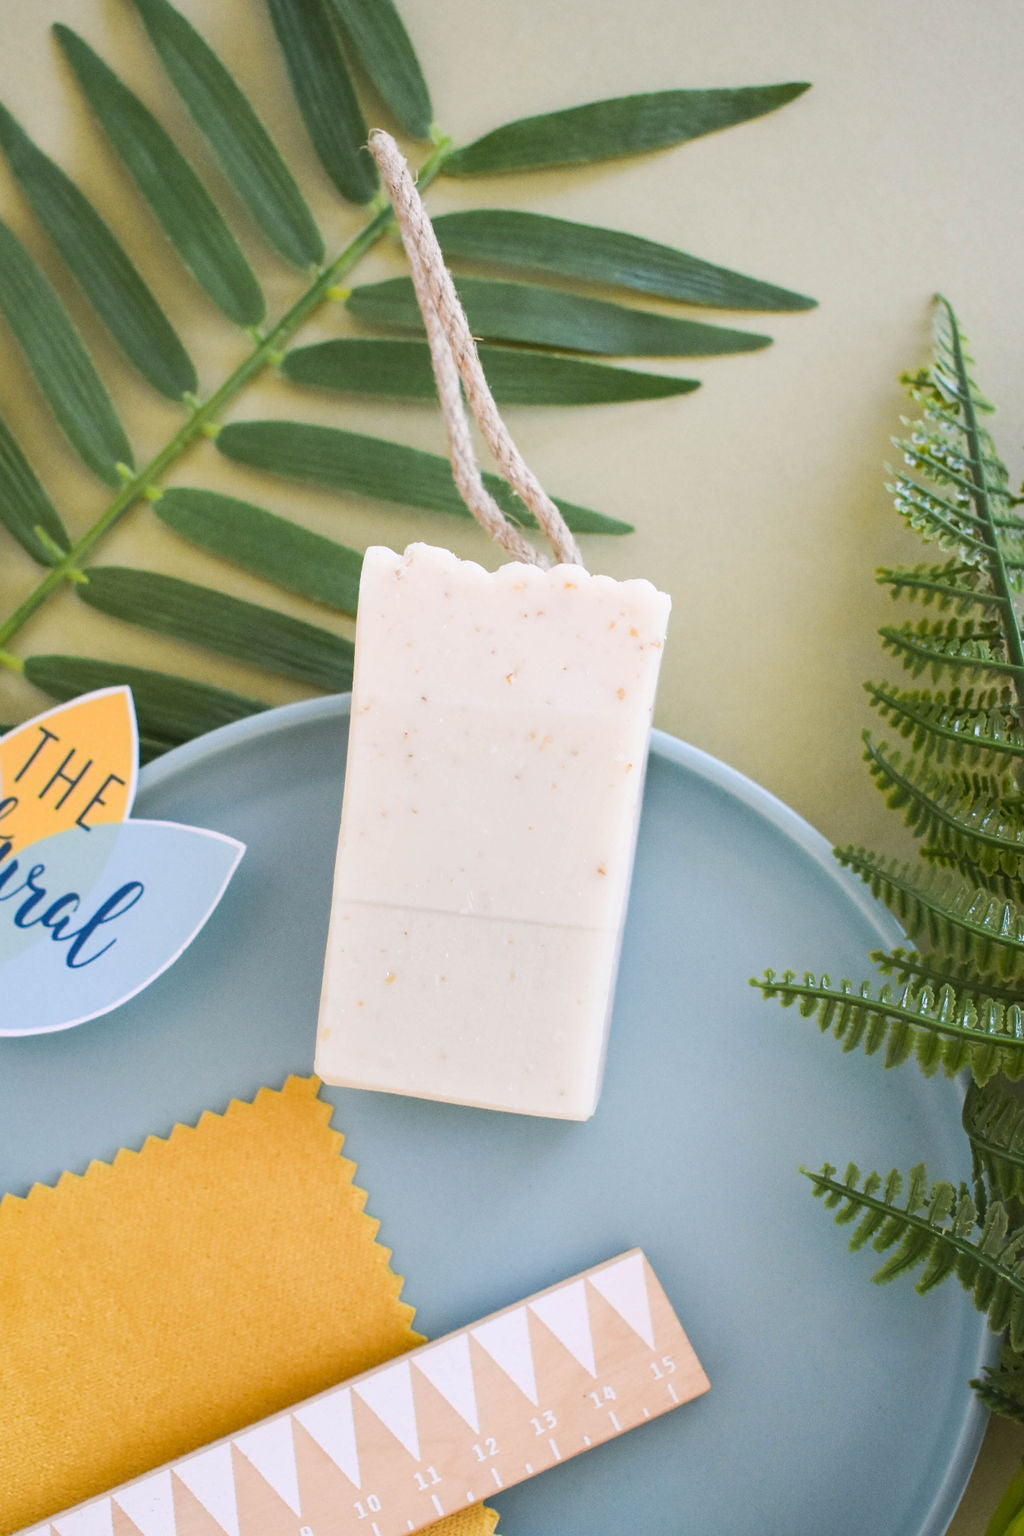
(665, 1367)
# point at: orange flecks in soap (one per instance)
(175, 1295)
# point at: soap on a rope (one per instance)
(445, 1426)
(498, 743)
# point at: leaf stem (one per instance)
(203, 417)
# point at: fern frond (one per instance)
(937, 1228)
(956, 646)
(960, 726)
(963, 821)
(999, 883)
(951, 586)
(948, 917)
(1001, 1388)
(937, 1025)
(994, 1122)
(906, 965)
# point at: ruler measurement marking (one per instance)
(504, 1384)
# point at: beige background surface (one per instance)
(759, 501)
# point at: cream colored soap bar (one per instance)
(498, 741)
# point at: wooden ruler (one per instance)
(447, 1425)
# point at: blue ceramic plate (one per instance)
(835, 1405)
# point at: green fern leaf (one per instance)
(97, 261)
(922, 1233)
(951, 586)
(607, 256)
(189, 216)
(227, 625)
(62, 367)
(957, 646)
(1001, 1389)
(994, 1122)
(942, 1027)
(960, 923)
(546, 317)
(958, 727)
(963, 821)
(247, 155)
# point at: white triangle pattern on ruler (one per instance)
(150, 1504)
(447, 1367)
(271, 1450)
(624, 1287)
(506, 1339)
(94, 1520)
(565, 1312)
(209, 1476)
(389, 1394)
(329, 1421)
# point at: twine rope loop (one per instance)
(454, 356)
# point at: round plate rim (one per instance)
(967, 1444)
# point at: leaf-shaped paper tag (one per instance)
(93, 906)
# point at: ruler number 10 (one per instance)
(665, 1367)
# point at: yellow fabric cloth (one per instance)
(181, 1292)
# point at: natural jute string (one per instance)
(454, 356)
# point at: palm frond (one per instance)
(936, 1229)
(937, 1024)
(331, 50)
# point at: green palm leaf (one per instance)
(97, 261)
(62, 367)
(379, 39)
(201, 616)
(372, 466)
(401, 370)
(25, 509)
(245, 150)
(265, 544)
(170, 710)
(626, 125)
(320, 40)
(546, 317)
(608, 256)
(311, 45)
(172, 189)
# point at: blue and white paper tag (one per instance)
(93, 905)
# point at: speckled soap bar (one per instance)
(498, 742)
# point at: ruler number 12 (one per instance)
(488, 1449)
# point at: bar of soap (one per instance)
(497, 748)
